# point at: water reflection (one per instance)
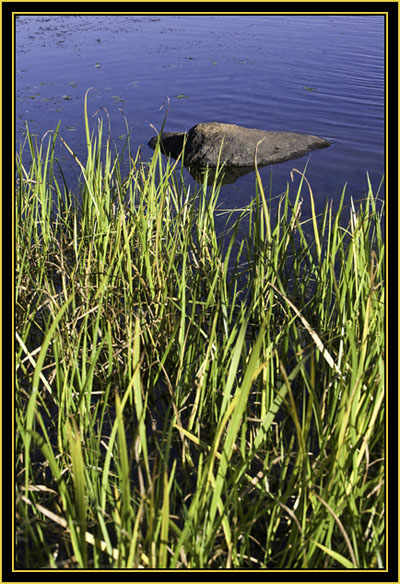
(227, 174)
(329, 80)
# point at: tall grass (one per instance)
(187, 400)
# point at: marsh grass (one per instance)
(187, 400)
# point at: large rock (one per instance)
(203, 145)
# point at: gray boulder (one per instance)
(203, 145)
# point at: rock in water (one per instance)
(203, 145)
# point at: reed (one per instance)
(189, 397)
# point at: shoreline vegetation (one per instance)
(192, 399)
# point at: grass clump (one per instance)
(190, 399)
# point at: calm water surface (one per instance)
(316, 74)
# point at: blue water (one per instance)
(316, 74)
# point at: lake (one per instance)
(314, 74)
